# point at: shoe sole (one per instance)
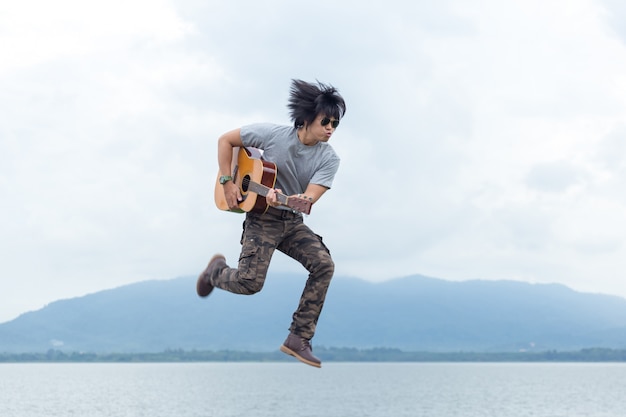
(288, 351)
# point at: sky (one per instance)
(483, 139)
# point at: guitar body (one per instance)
(248, 167)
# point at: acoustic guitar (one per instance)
(255, 177)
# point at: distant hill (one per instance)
(414, 313)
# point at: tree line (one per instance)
(329, 355)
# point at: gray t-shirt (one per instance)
(297, 165)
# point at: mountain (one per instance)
(415, 313)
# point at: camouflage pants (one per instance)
(285, 231)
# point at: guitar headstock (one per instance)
(300, 203)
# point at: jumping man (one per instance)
(306, 165)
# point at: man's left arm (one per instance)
(314, 192)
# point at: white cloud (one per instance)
(555, 176)
(36, 32)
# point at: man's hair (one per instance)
(307, 100)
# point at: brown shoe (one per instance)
(204, 286)
(300, 348)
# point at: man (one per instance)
(306, 165)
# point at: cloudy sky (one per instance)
(484, 139)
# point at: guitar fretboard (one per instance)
(262, 190)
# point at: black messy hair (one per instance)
(307, 100)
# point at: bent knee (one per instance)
(326, 267)
(331, 266)
(251, 287)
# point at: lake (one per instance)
(293, 389)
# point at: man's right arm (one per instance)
(225, 145)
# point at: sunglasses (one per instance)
(333, 123)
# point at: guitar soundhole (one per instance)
(245, 183)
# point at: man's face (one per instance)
(323, 127)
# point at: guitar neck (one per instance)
(262, 190)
